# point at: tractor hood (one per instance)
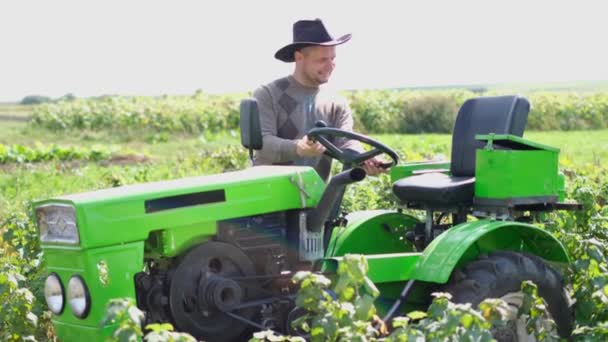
(130, 213)
(259, 175)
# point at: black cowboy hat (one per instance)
(306, 33)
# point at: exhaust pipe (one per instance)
(333, 192)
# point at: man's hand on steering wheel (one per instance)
(373, 167)
(367, 159)
(307, 148)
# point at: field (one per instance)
(16, 112)
(39, 163)
(185, 156)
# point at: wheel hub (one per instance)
(219, 293)
(202, 291)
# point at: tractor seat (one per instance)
(436, 190)
(482, 115)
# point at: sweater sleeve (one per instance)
(274, 149)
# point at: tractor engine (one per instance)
(239, 280)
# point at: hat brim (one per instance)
(286, 53)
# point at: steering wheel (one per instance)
(321, 134)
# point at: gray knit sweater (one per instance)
(288, 110)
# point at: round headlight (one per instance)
(54, 294)
(78, 297)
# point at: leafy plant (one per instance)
(129, 320)
(23, 313)
(23, 154)
(344, 313)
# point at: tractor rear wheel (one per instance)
(500, 275)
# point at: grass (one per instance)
(577, 147)
(169, 157)
(148, 143)
(175, 156)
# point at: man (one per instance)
(290, 106)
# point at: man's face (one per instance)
(317, 63)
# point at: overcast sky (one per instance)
(175, 47)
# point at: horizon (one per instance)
(152, 48)
(514, 86)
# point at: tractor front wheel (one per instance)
(500, 275)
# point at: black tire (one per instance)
(501, 273)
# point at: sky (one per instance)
(91, 48)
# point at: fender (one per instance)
(372, 232)
(465, 242)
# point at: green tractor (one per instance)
(214, 255)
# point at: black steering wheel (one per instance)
(321, 134)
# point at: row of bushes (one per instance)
(380, 111)
(351, 315)
(39, 153)
(434, 112)
(193, 114)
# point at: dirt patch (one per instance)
(125, 159)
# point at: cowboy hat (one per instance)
(306, 33)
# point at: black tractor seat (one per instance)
(436, 190)
(483, 115)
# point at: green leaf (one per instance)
(364, 308)
(348, 293)
(300, 276)
(317, 332)
(466, 320)
(400, 322)
(416, 315)
(31, 317)
(158, 327)
(595, 253)
(301, 323)
(371, 288)
(135, 315)
(126, 335)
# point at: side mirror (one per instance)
(251, 132)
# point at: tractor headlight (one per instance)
(78, 297)
(54, 294)
(57, 223)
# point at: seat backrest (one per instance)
(484, 115)
(251, 132)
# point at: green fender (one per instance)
(372, 232)
(378, 234)
(465, 242)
